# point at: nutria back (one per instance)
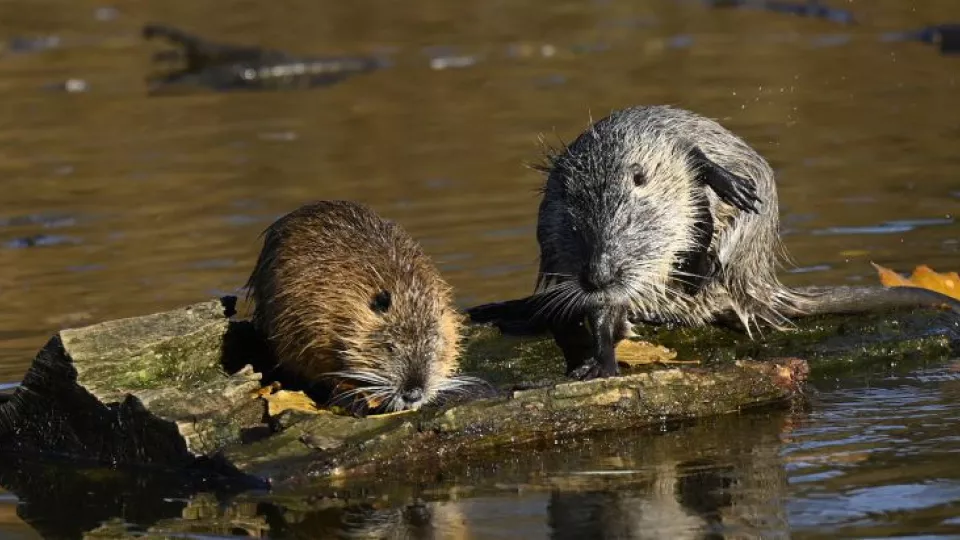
(341, 293)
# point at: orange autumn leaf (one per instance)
(280, 400)
(923, 276)
(638, 353)
(284, 400)
(948, 284)
(266, 390)
(889, 278)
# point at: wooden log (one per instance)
(180, 389)
(145, 390)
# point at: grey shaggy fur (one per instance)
(592, 208)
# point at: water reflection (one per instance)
(856, 466)
(691, 481)
(845, 468)
(685, 500)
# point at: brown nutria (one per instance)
(656, 214)
(344, 295)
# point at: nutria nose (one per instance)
(412, 395)
(596, 277)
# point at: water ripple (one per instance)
(887, 227)
(40, 240)
(50, 221)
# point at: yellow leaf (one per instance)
(638, 353)
(948, 284)
(266, 390)
(889, 278)
(923, 276)
(284, 400)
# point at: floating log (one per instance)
(182, 389)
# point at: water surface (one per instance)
(117, 204)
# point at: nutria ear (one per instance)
(732, 189)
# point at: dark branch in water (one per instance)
(223, 66)
(812, 8)
(945, 36)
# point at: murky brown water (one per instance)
(137, 204)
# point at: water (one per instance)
(118, 204)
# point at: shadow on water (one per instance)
(685, 482)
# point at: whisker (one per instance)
(460, 384)
(395, 404)
(369, 391)
(363, 376)
(576, 303)
(557, 274)
(547, 303)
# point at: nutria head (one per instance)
(397, 331)
(343, 294)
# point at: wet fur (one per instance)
(697, 242)
(652, 229)
(315, 286)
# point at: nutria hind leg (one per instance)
(841, 300)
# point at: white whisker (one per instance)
(370, 377)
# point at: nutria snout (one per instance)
(659, 215)
(347, 297)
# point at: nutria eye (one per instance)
(380, 302)
(639, 179)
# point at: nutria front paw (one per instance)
(732, 189)
(590, 370)
(736, 192)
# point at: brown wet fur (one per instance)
(315, 288)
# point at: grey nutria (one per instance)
(656, 214)
(342, 294)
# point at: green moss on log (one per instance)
(178, 387)
(833, 345)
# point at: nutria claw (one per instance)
(587, 371)
(732, 189)
(737, 192)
